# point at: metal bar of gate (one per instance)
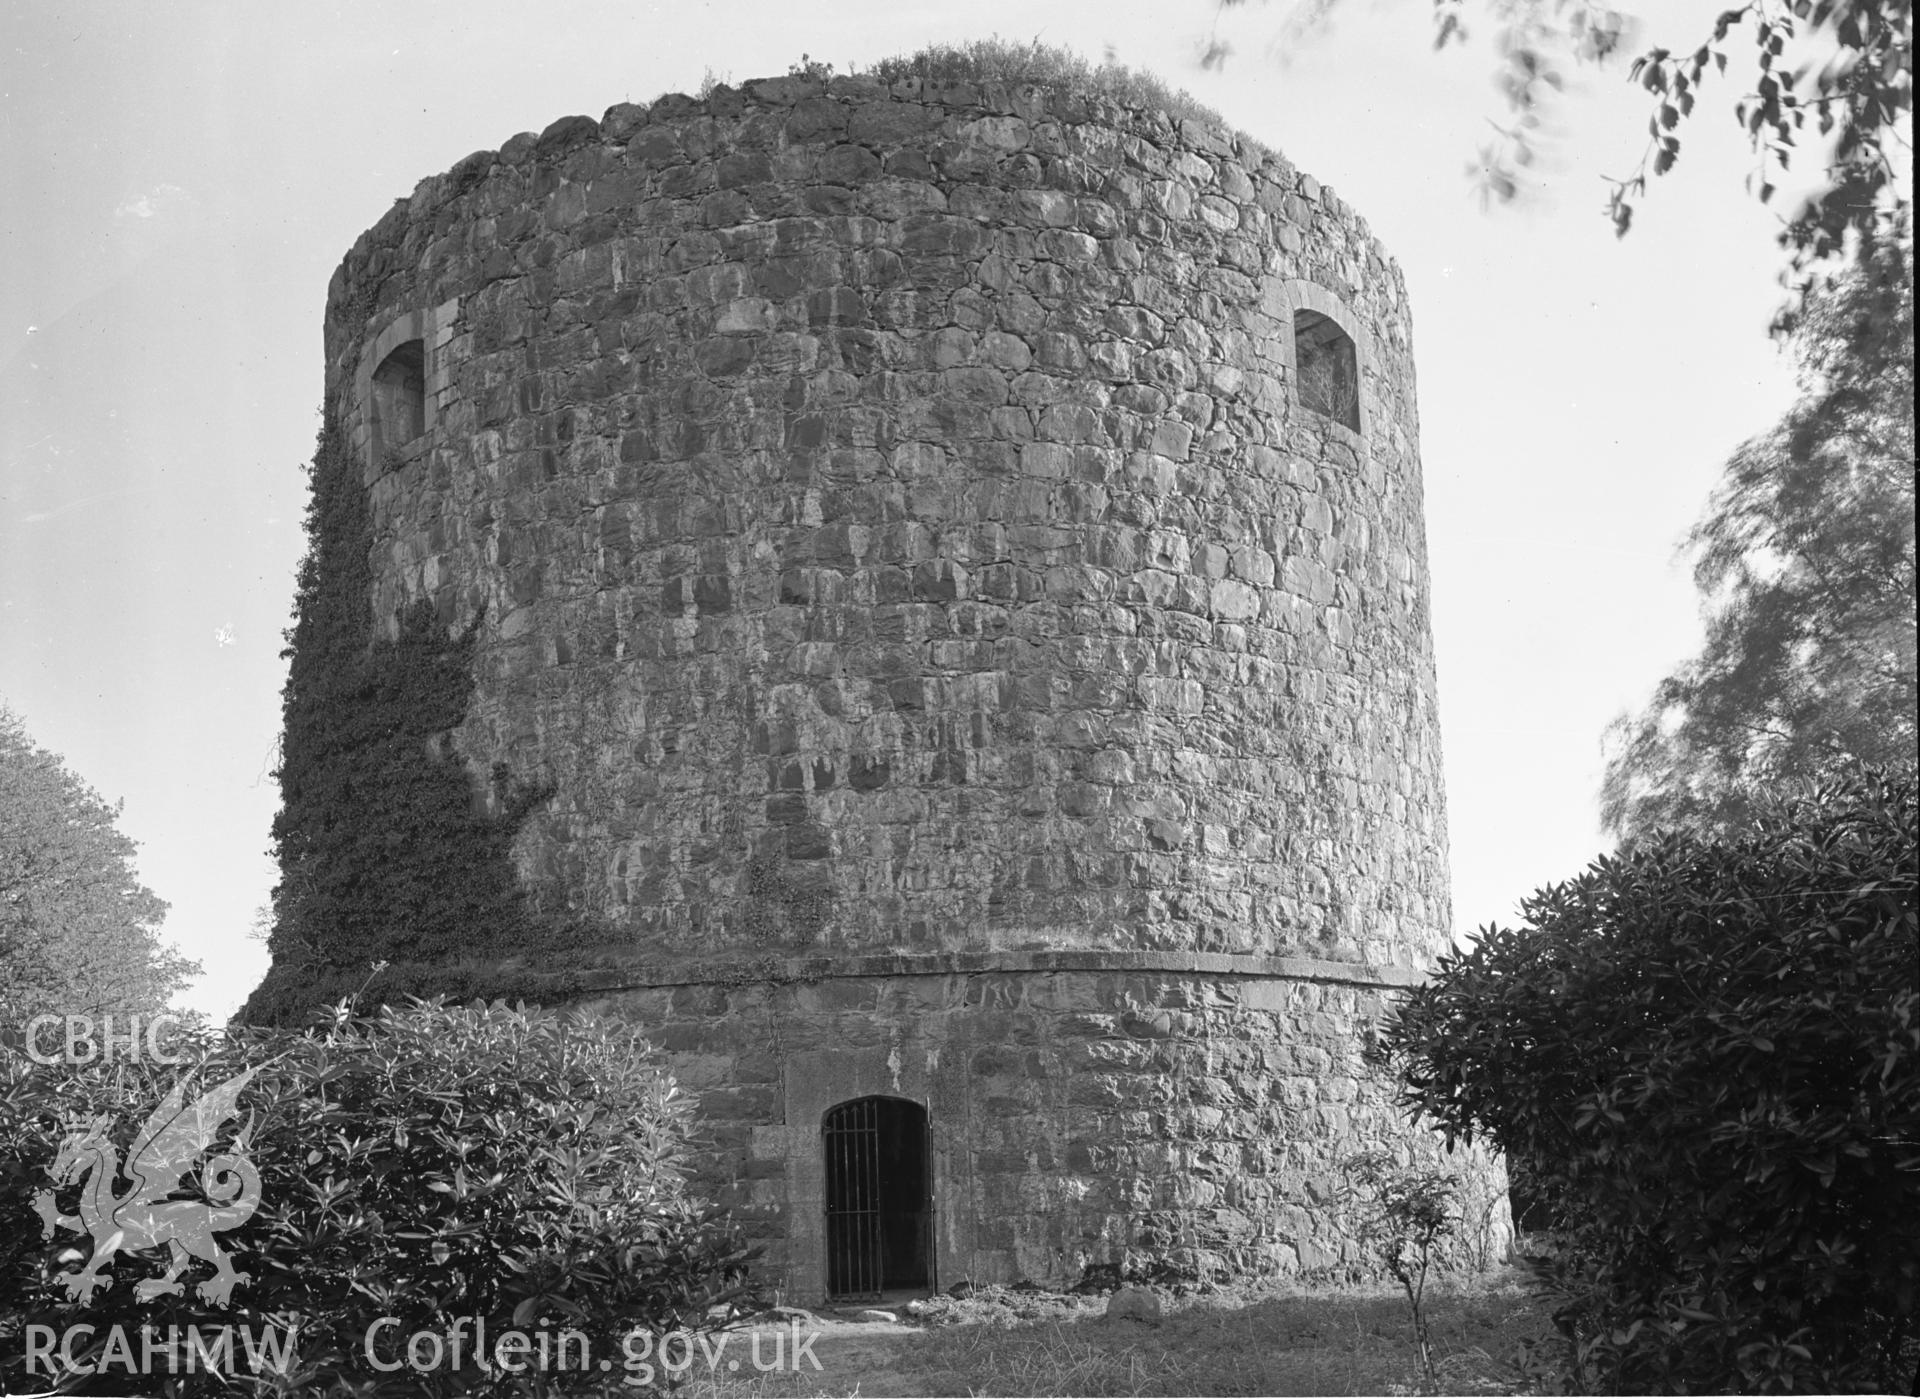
(870, 1196)
(870, 1272)
(872, 1217)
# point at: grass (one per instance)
(1270, 1341)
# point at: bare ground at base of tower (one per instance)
(1265, 1339)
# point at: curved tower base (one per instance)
(1175, 1116)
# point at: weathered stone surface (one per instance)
(564, 134)
(1134, 1304)
(964, 669)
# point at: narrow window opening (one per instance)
(400, 396)
(879, 1198)
(1327, 369)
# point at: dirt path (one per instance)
(855, 1357)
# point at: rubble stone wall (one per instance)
(900, 544)
(1176, 1117)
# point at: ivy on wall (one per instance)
(387, 851)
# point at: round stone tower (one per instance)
(954, 555)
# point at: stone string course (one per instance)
(898, 537)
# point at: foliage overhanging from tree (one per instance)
(1832, 76)
(387, 850)
(1708, 1052)
(1806, 558)
(78, 931)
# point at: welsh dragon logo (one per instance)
(146, 1215)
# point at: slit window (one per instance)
(1326, 368)
(400, 396)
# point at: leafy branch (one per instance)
(1836, 71)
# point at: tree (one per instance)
(1708, 1052)
(1842, 67)
(77, 928)
(1403, 1215)
(1806, 557)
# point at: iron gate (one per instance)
(879, 1198)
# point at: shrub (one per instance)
(431, 1168)
(1707, 1053)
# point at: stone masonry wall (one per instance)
(897, 532)
(1154, 1120)
(964, 669)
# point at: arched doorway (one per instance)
(879, 1197)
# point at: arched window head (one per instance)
(400, 396)
(1326, 368)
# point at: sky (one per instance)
(179, 180)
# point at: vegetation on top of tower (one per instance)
(1031, 64)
